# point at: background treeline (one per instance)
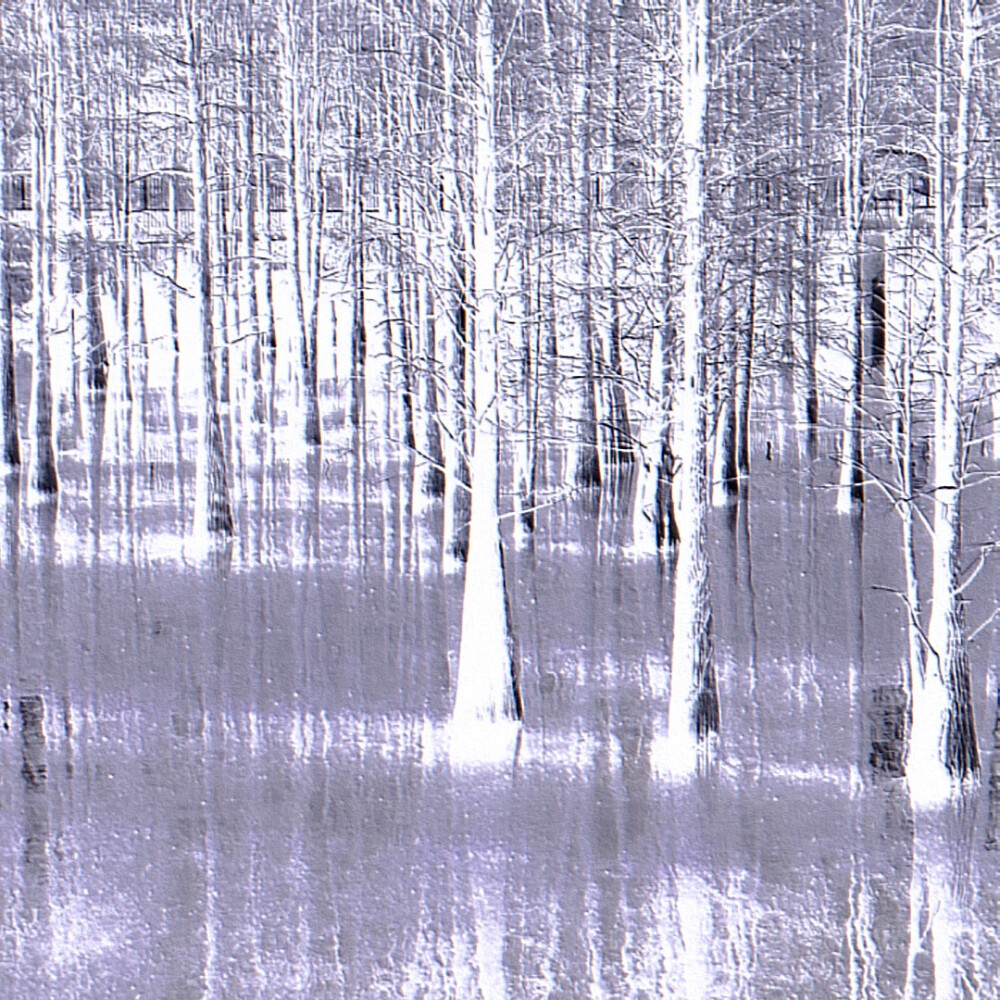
(333, 145)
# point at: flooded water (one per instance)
(229, 777)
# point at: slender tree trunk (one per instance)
(11, 431)
(744, 367)
(457, 476)
(585, 459)
(219, 226)
(8, 384)
(46, 478)
(653, 521)
(92, 189)
(904, 442)
(852, 458)
(432, 481)
(358, 340)
(460, 343)
(621, 446)
(248, 241)
(810, 319)
(175, 252)
(126, 244)
(525, 440)
(434, 476)
(359, 336)
(215, 501)
(97, 347)
(298, 237)
(403, 297)
(314, 419)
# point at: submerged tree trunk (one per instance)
(584, 452)
(247, 288)
(693, 713)
(460, 341)
(298, 244)
(215, 503)
(46, 478)
(92, 189)
(744, 374)
(943, 738)
(852, 471)
(653, 521)
(488, 688)
(903, 444)
(8, 384)
(359, 346)
(97, 352)
(433, 479)
(314, 419)
(620, 446)
(457, 476)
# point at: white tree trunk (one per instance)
(651, 408)
(485, 690)
(583, 455)
(851, 456)
(452, 248)
(60, 309)
(693, 706)
(943, 739)
(298, 243)
(213, 513)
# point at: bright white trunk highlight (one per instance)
(690, 650)
(484, 694)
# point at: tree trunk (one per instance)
(46, 478)
(460, 343)
(585, 460)
(298, 238)
(214, 501)
(434, 476)
(487, 688)
(8, 384)
(248, 241)
(620, 444)
(943, 737)
(90, 186)
(852, 458)
(359, 335)
(693, 712)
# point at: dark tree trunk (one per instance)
(11, 432)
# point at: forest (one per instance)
(532, 253)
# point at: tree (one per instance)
(488, 688)
(215, 512)
(943, 743)
(45, 123)
(693, 714)
(855, 101)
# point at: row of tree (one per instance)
(582, 226)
